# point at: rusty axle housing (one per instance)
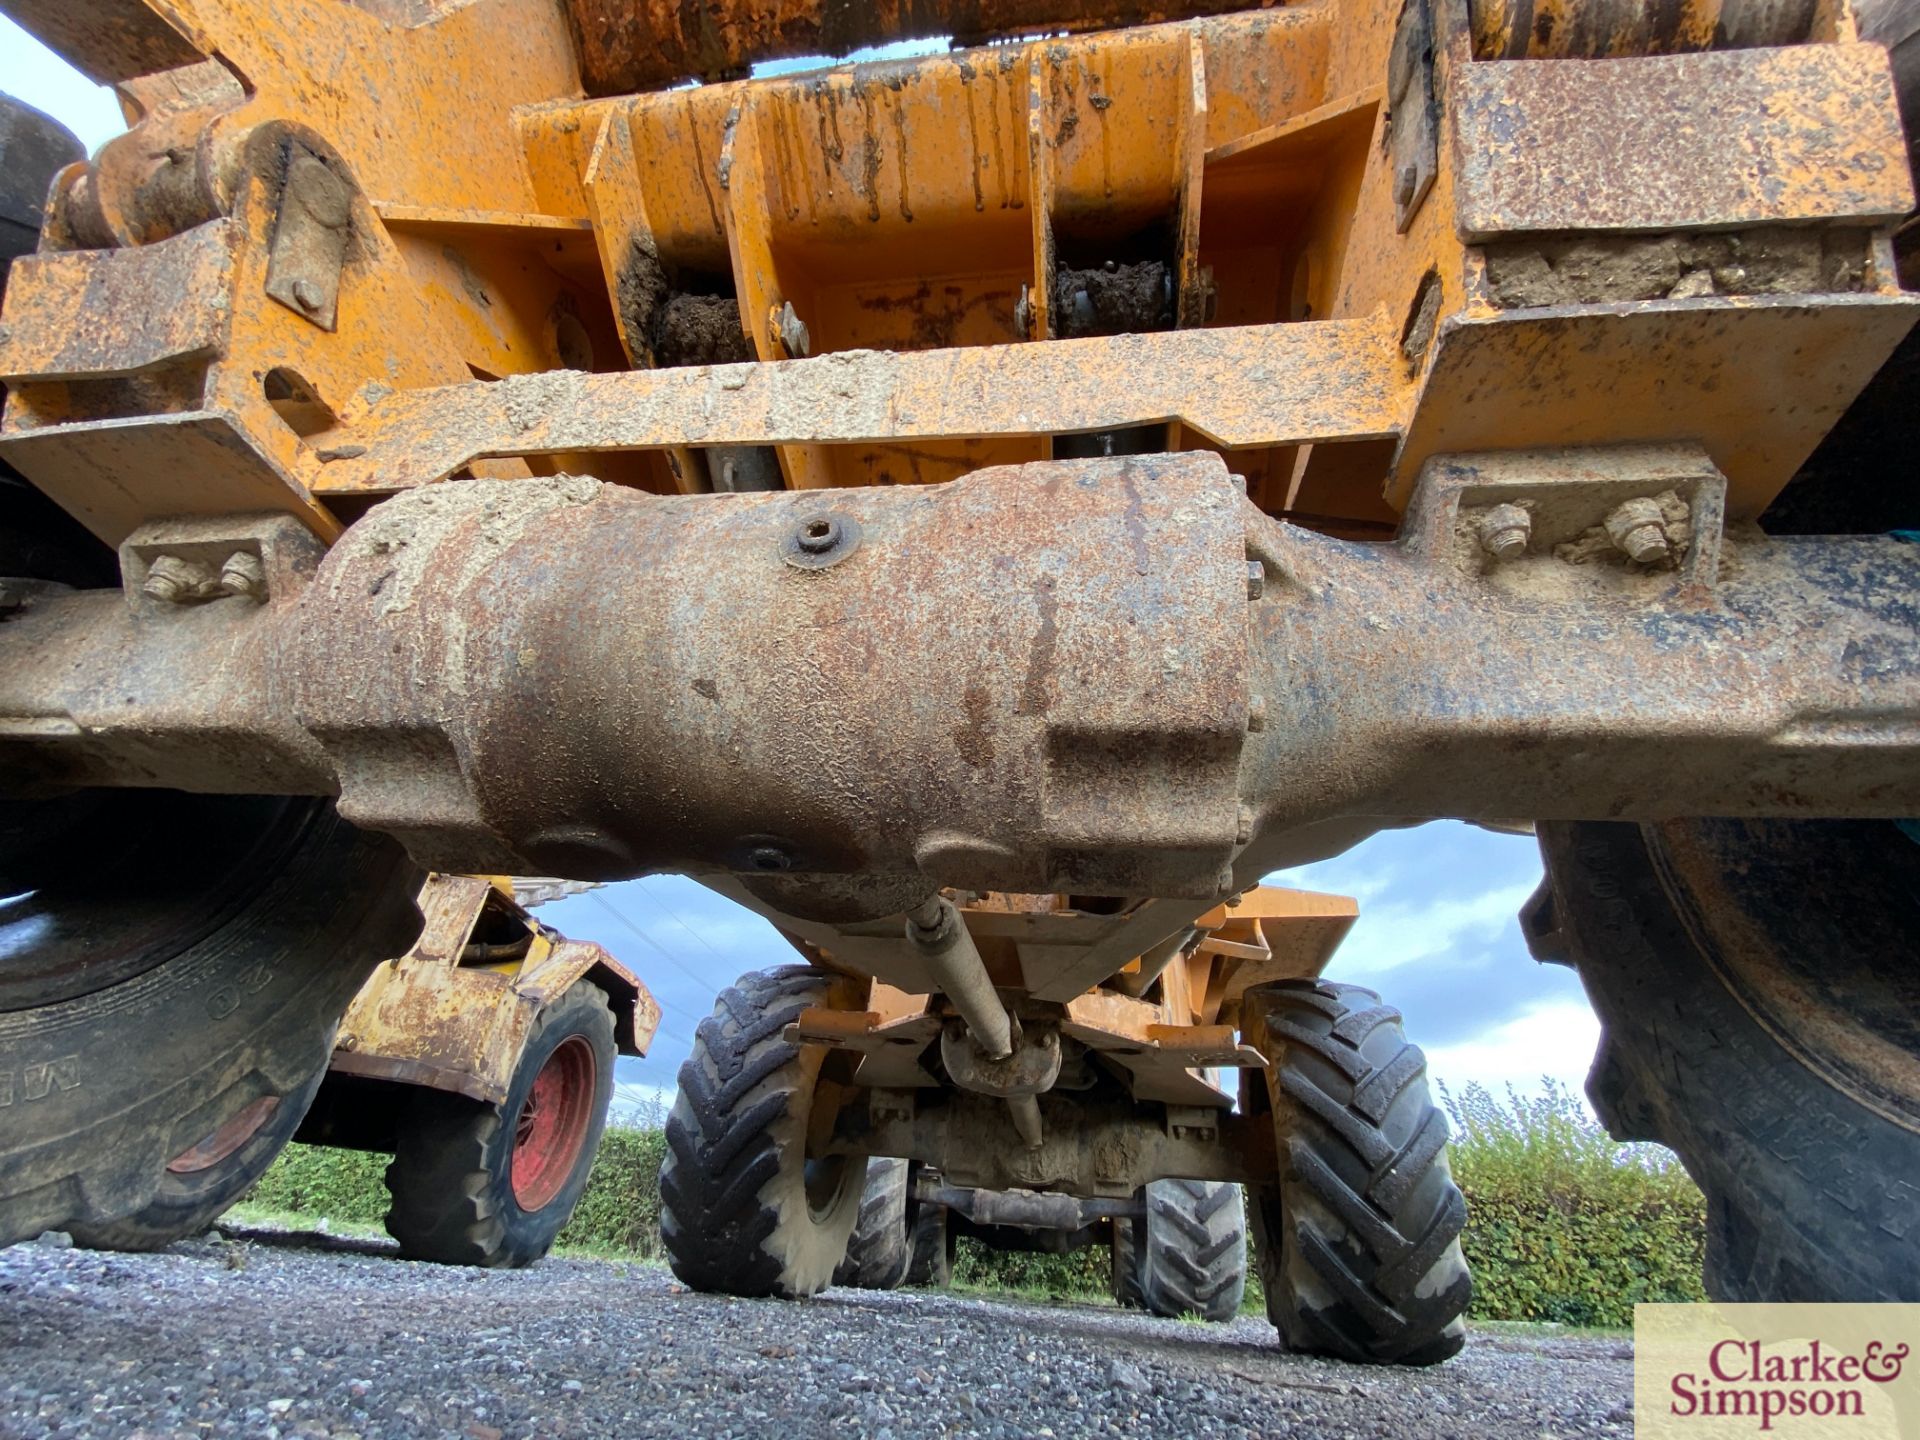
(1061, 677)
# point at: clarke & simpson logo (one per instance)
(1743, 1379)
(1788, 1371)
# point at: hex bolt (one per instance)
(1256, 579)
(244, 575)
(1256, 712)
(792, 332)
(1243, 832)
(818, 536)
(174, 581)
(307, 295)
(1505, 531)
(1638, 528)
(1023, 311)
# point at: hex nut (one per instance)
(821, 540)
(175, 581)
(1505, 531)
(1256, 579)
(1637, 527)
(308, 295)
(244, 575)
(1256, 712)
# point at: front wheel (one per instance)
(204, 1181)
(880, 1253)
(492, 1185)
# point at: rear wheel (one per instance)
(493, 1185)
(169, 965)
(1759, 985)
(743, 1210)
(932, 1244)
(1187, 1255)
(203, 1183)
(1359, 1242)
(879, 1252)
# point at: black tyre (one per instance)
(166, 962)
(879, 1252)
(492, 1185)
(932, 1243)
(1126, 1266)
(203, 1183)
(1359, 1243)
(1759, 987)
(743, 1211)
(1188, 1256)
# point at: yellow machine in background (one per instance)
(482, 1059)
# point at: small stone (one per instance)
(1127, 1376)
(279, 1407)
(54, 1239)
(1692, 286)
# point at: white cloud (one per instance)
(1555, 1040)
(1391, 935)
(34, 75)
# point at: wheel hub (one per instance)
(551, 1129)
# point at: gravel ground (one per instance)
(270, 1334)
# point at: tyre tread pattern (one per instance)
(880, 1250)
(720, 1150)
(1359, 1247)
(1194, 1259)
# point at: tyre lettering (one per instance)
(36, 1082)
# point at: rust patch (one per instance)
(1034, 690)
(973, 739)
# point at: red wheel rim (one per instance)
(551, 1129)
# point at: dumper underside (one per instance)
(1033, 488)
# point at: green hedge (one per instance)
(1564, 1225)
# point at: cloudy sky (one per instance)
(1436, 934)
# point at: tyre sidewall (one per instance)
(106, 1088)
(1805, 1185)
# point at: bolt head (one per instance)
(819, 535)
(1256, 712)
(307, 295)
(1256, 579)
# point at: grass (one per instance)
(1566, 1228)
